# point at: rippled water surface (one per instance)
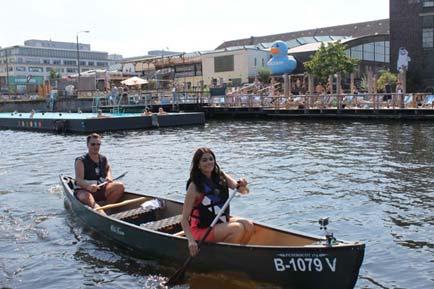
(374, 180)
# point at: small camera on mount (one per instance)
(330, 239)
(323, 222)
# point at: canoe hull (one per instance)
(299, 267)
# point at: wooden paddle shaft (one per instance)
(126, 202)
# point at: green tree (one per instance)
(54, 74)
(329, 60)
(264, 74)
(385, 77)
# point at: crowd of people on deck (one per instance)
(324, 96)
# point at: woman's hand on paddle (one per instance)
(242, 186)
(193, 248)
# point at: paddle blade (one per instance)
(177, 278)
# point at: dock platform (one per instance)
(89, 122)
(213, 112)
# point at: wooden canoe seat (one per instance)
(131, 214)
(163, 224)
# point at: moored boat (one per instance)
(151, 227)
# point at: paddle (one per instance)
(115, 179)
(179, 275)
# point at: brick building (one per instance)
(412, 27)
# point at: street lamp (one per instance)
(78, 56)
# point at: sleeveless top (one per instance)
(94, 171)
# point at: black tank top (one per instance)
(93, 170)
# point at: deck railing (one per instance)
(278, 102)
(326, 101)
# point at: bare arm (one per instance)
(191, 196)
(233, 184)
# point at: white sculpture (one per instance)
(403, 59)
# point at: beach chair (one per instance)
(347, 101)
(256, 100)
(244, 100)
(429, 101)
(408, 101)
(219, 101)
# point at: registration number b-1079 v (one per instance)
(304, 264)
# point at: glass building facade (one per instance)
(18, 62)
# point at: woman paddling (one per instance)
(207, 191)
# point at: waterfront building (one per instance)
(412, 27)
(372, 51)
(31, 63)
(234, 65)
(168, 68)
(366, 41)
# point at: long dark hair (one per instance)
(196, 175)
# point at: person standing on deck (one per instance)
(207, 191)
(92, 169)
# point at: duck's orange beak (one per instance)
(274, 50)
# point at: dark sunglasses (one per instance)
(95, 144)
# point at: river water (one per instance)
(375, 180)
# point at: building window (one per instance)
(256, 62)
(428, 21)
(46, 61)
(368, 52)
(82, 63)
(428, 3)
(103, 64)
(32, 60)
(224, 63)
(36, 69)
(20, 68)
(427, 37)
(91, 63)
(57, 62)
(380, 51)
(357, 52)
(69, 62)
(71, 70)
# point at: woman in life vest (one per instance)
(207, 191)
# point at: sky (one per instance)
(133, 27)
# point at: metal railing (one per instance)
(326, 101)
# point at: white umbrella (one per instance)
(134, 81)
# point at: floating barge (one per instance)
(89, 122)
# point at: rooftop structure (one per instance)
(320, 34)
